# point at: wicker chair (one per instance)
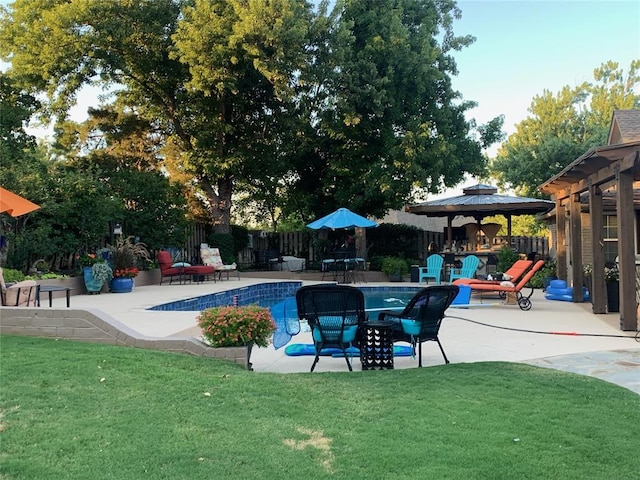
(334, 313)
(421, 318)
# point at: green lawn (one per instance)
(84, 411)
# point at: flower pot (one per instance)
(92, 285)
(121, 285)
(613, 296)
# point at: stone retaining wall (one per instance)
(96, 326)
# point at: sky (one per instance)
(524, 47)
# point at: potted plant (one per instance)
(395, 268)
(125, 256)
(232, 326)
(612, 279)
(95, 271)
(587, 273)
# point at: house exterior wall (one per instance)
(587, 250)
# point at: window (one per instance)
(610, 238)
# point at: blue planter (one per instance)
(92, 285)
(121, 285)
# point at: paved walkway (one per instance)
(554, 334)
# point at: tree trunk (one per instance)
(221, 214)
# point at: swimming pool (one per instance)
(283, 293)
(280, 298)
(376, 299)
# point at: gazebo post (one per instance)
(449, 232)
(508, 230)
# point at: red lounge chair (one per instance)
(515, 272)
(182, 271)
(523, 302)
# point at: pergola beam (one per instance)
(626, 256)
(601, 168)
(598, 292)
(575, 232)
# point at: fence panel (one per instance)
(301, 244)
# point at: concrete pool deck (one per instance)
(554, 334)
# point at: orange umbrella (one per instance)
(15, 205)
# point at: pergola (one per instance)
(480, 201)
(614, 167)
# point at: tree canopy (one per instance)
(563, 126)
(301, 107)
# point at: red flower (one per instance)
(126, 273)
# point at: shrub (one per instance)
(236, 326)
(506, 258)
(11, 275)
(375, 263)
(395, 265)
(224, 243)
(547, 271)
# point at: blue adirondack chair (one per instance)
(470, 264)
(432, 270)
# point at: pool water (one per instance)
(376, 299)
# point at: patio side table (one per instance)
(376, 349)
(50, 289)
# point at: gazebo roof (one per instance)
(481, 201)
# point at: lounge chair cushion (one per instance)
(348, 335)
(18, 294)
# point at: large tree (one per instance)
(563, 126)
(303, 109)
(385, 121)
(208, 72)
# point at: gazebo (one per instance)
(480, 201)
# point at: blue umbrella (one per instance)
(342, 218)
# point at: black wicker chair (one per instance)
(334, 313)
(421, 318)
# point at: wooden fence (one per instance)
(264, 245)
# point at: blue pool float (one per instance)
(558, 290)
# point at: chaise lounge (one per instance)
(506, 287)
(183, 271)
(513, 274)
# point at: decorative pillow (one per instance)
(507, 284)
(181, 264)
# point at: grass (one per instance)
(71, 410)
